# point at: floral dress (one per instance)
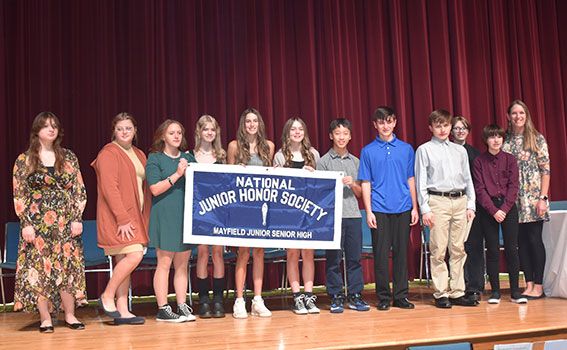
(531, 165)
(49, 201)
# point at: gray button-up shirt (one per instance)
(442, 166)
(349, 165)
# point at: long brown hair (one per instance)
(530, 133)
(218, 152)
(32, 152)
(305, 144)
(243, 149)
(125, 116)
(158, 144)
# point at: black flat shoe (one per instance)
(111, 314)
(75, 326)
(129, 320)
(531, 297)
(218, 310)
(46, 329)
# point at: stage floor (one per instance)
(483, 325)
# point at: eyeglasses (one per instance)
(459, 129)
(127, 129)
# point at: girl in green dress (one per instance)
(165, 173)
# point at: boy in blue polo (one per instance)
(389, 196)
(339, 159)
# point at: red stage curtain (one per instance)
(318, 59)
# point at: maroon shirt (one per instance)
(496, 176)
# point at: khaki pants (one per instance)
(450, 230)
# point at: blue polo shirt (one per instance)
(388, 166)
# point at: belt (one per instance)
(452, 194)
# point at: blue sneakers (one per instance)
(355, 302)
(337, 301)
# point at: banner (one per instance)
(255, 206)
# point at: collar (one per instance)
(493, 157)
(439, 141)
(335, 155)
(383, 143)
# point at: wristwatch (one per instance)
(543, 197)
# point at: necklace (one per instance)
(170, 156)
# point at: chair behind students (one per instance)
(425, 252)
(10, 254)
(93, 254)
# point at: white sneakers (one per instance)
(239, 308)
(258, 308)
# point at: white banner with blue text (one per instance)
(254, 206)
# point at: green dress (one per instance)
(49, 201)
(166, 217)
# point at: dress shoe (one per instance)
(112, 314)
(205, 310)
(475, 296)
(384, 305)
(218, 310)
(403, 303)
(76, 326)
(462, 301)
(443, 303)
(46, 329)
(129, 320)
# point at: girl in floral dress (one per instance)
(49, 199)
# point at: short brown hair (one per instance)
(463, 120)
(439, 116)
(492, 130)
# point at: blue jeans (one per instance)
(351, 244)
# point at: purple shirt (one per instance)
(496, 176)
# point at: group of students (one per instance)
(140, 203)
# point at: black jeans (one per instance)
(489, 227)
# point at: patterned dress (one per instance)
(49, 201)
(531, 165)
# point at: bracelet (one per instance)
(169, 179)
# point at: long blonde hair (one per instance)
(32, 152)
(305, 144)
(530, 133)
(243, 149)
(218, 152)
